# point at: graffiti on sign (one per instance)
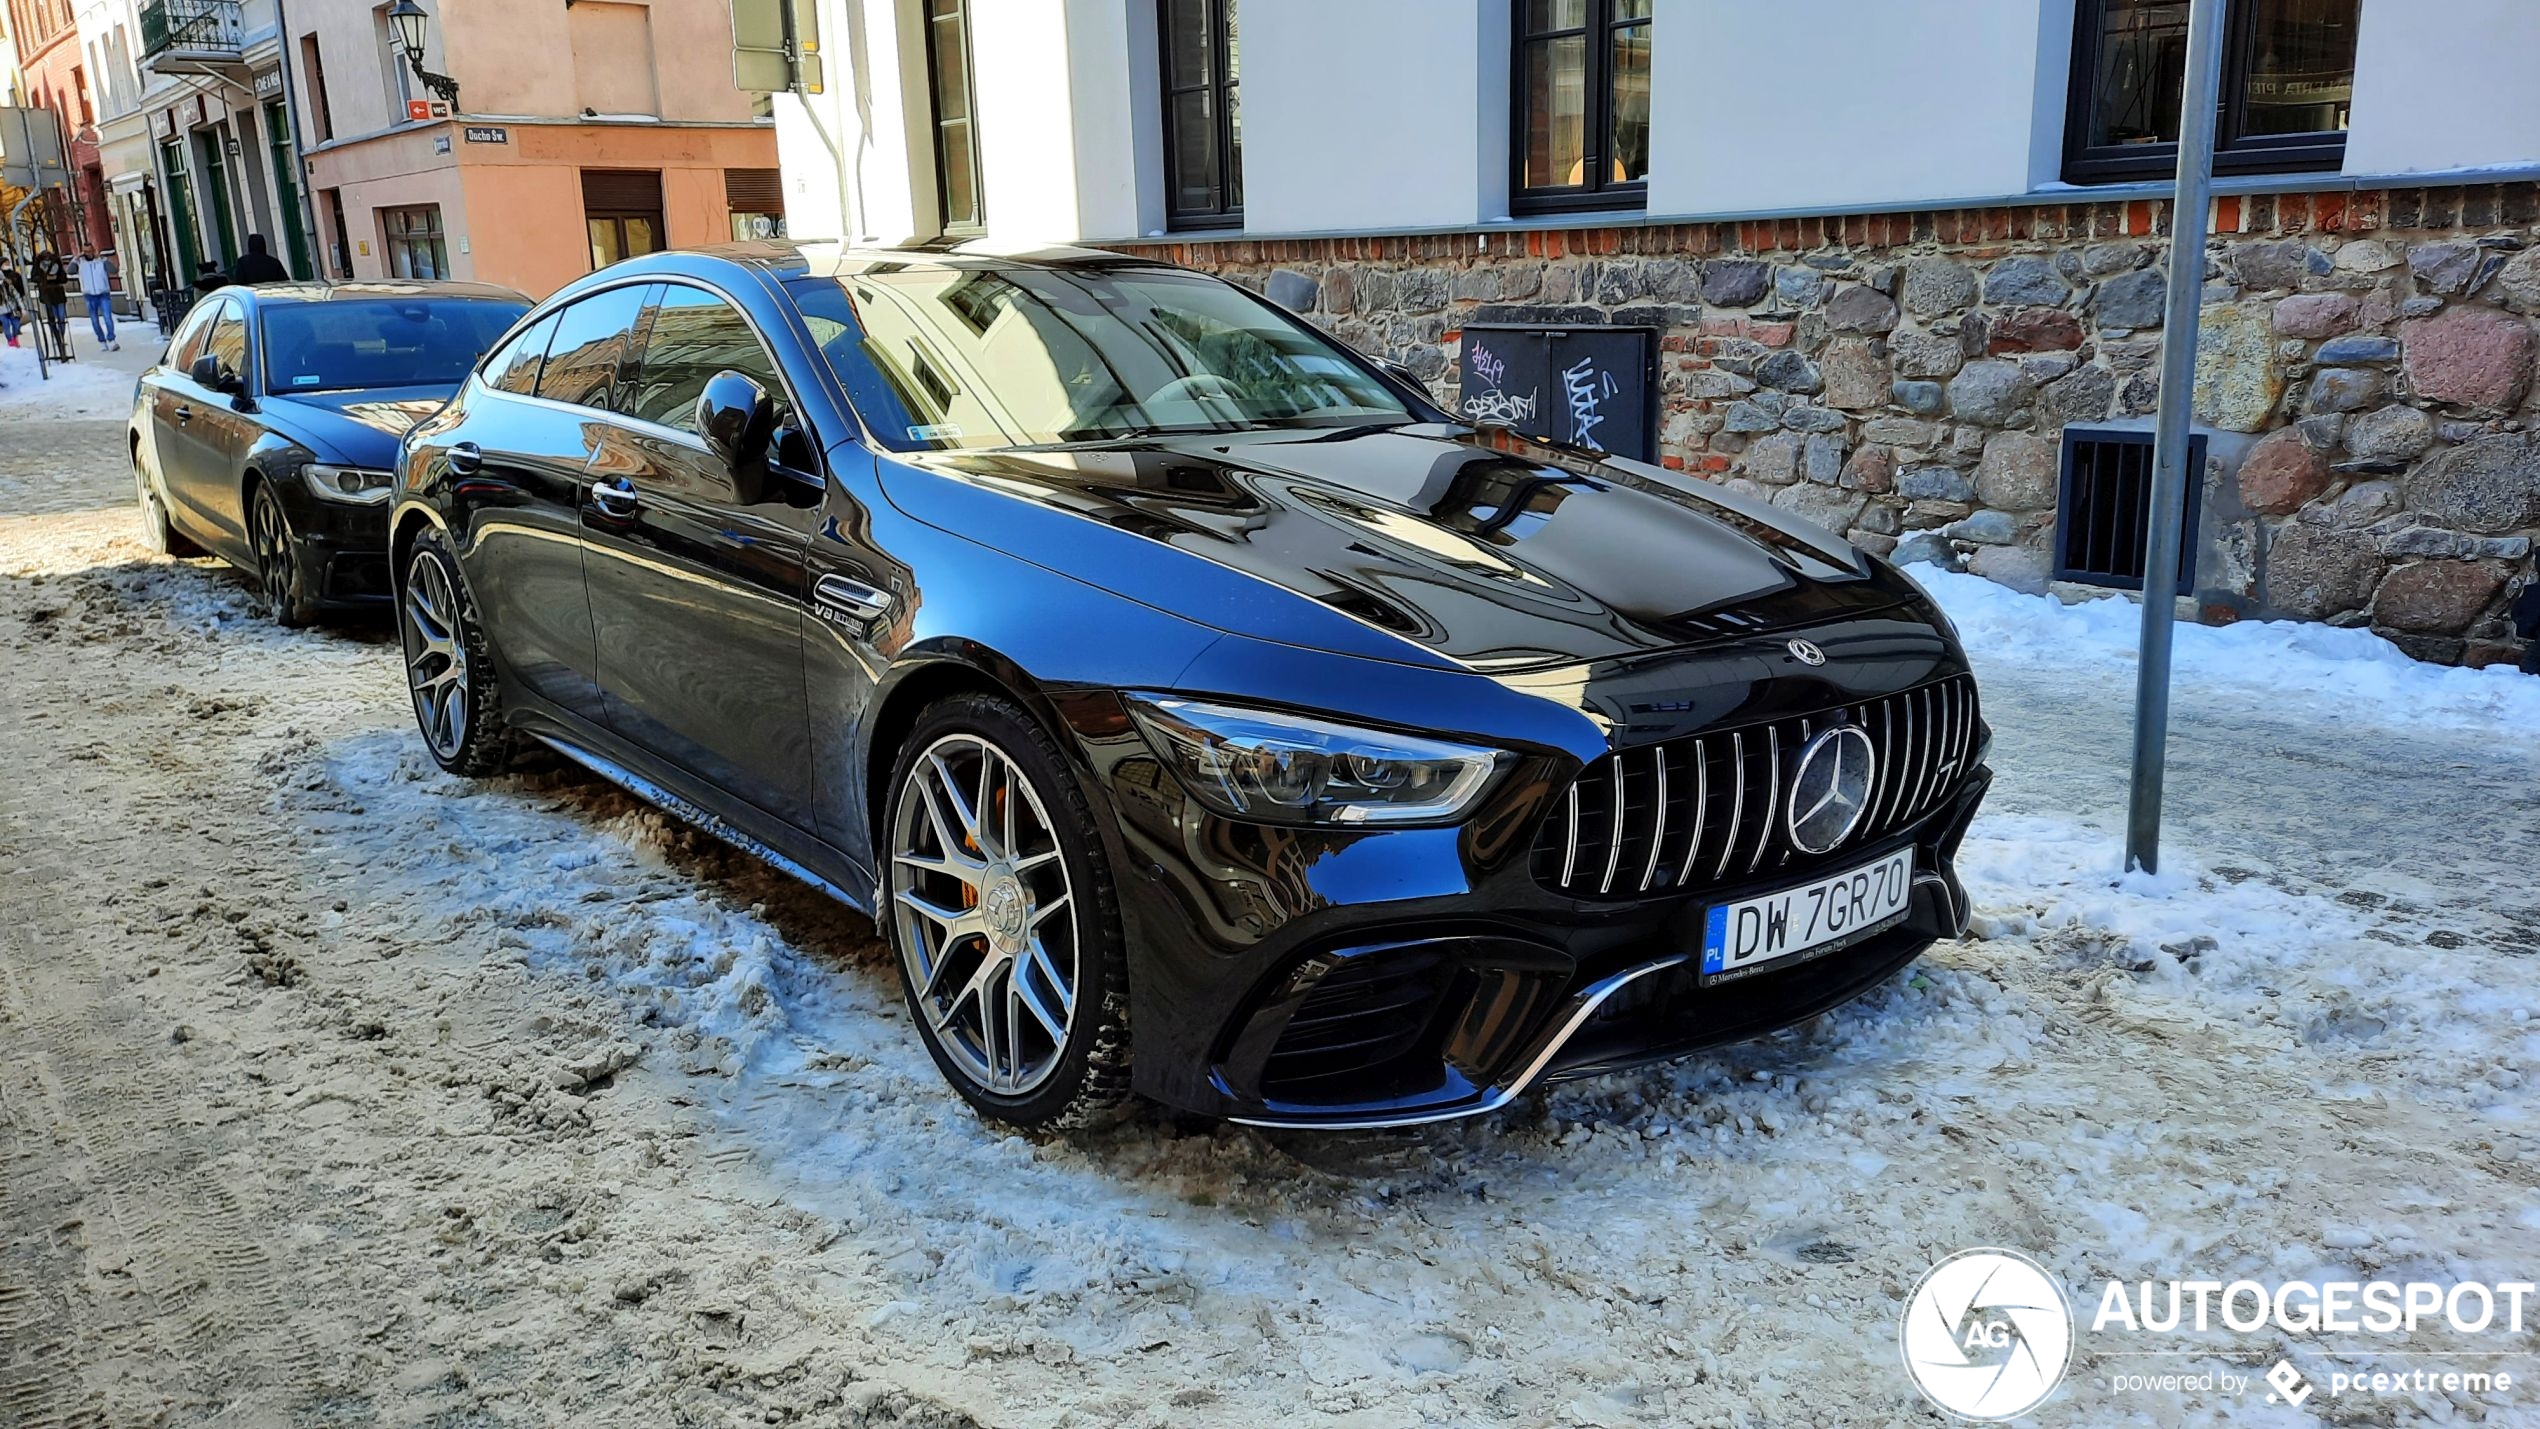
(1593, 386)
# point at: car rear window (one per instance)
(348, 345)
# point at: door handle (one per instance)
(614, 498)
(466, 457)
(184, 414)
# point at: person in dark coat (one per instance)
(2527, 623)
(258, 266)
(207, 278)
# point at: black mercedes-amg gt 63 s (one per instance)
(1202, 713)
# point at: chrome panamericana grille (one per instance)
(1707, 809)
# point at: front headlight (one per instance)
(1289, 769)
(358, 486)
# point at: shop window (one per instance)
(415, 244)
(1203, 115)
(1582, 105)
(621, 208)
(2288, 77)
(756, 200)
(959, 194)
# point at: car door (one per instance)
(527, 439)
(696, 596)
(229, 425)
(173, 399)
(191, 431)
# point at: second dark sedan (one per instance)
(266, 433)
(1199, 709)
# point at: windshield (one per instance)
(937, 358)
(348, 345)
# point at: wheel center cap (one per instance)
(1007, 909)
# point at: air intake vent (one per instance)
(2104, 512)
(1369, 1020)
(1701, 811)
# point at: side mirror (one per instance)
(737, 419)
(207, 372)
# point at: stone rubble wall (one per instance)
(2365, 376)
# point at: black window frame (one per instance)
(977, 222)
(1222, 84)
(1597, 193)
(2235, 151)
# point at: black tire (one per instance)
(281, 582)
(1089, 1082)
(478, 744)
(158, 529)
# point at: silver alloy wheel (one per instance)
(436, 662)
(985, 915)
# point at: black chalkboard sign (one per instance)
(1593, 386)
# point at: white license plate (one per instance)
(1744, 937)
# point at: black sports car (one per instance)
(1201, 711)
(266, 433)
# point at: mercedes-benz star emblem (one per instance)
(1806, 652)
(1830, 789)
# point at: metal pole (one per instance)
(2173, 485)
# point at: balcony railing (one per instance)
(202, 31)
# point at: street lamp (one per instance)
(412, 21)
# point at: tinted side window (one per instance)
(515, 367)
(228, 340)
(590, 338)
(189, 337)
(694, 336)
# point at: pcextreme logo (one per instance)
(1987, 1334)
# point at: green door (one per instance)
(216, 194)
(181, 213)
(286, 178)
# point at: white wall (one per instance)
(1853, 103)
(1371, 116)
(2445, 84)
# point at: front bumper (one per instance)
(1351, 978)
(342, 547)
(1515, 1023)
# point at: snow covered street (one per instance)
(337, 1091)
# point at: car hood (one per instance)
(354, 428)
(1485, 549)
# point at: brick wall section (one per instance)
(2366, 375)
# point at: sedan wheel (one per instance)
(449, 665)
(1002, 917)
(277, 564)
(436, 666)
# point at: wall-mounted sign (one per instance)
(420, 110)
(1589, 386)
(269, 84)
(440, 143)
(487, 134)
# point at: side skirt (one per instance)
(705, 819)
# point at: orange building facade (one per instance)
(583, 134)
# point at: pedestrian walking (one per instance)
(52, 296)
(12, 304)
(96, 293)
(258, 266)
(207, 278)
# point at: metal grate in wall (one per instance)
(2103, 510)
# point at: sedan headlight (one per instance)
(1290, 769)
(357, 486)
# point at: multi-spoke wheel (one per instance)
(436, 668)
(278, 577)
(449, 670)
(1001, 913)
(157, 531)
